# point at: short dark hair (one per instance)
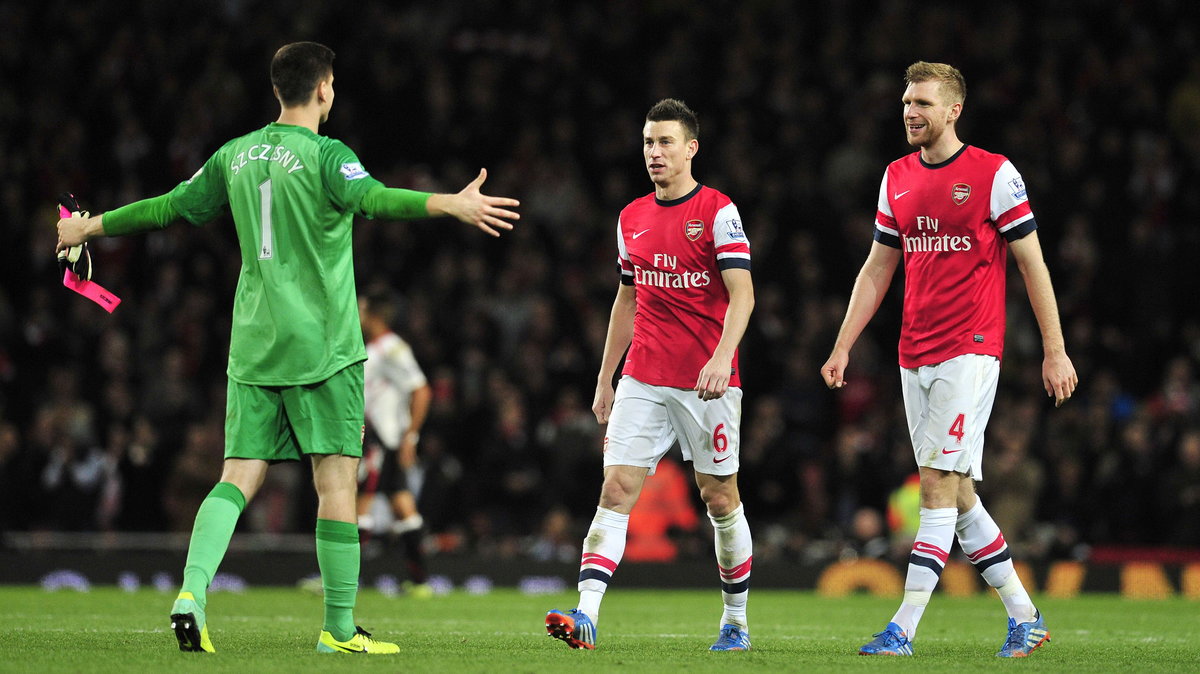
(297, 68)
(675, 110)
(382, 302)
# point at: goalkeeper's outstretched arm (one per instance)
(140, 216)
(468, 205)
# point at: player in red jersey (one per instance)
(951, 211)
(681, 309)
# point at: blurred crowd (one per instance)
(116, 422)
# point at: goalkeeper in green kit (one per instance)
(296, 349)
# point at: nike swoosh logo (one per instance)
(722, 458)
(349, 650)
(950, 451)
(897, 196)
(640, 233)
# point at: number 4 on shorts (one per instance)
(956, 428)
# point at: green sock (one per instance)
(215, 521)
(338, 557)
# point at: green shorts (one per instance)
(283, 423)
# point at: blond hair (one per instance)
(953, 86)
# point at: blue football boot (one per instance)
(732, 638)
(1024, 638)
(573, 627)
(891, 641)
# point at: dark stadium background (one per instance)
(114, 423)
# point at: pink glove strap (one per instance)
(93, 291)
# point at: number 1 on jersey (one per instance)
(266, 250)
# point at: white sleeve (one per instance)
(623, 261)
(884, 205)
(1008, 192)
(401, 368)
(727, 228)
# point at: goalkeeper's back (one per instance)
(293, 194)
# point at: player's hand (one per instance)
(1058, 377)
(603, 402)
(714, 378)
(73, 233)
(76, 230)
(834, 369)
(480, 210)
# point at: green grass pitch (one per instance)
(275, 630)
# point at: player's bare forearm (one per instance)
(713, 380)
(1059, 378)
(76, 230)
(472, 207)
(618, 339)
(407, 452)
(870, 287)
(620, 331)
(418, 408)
(737, 316)
(1028, 254)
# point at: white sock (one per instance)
(985, 546)
(930, 551)
(1016, 600)
(602, 552)
(734, 558)
(912, 607)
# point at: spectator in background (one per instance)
(664, 511)
(1182, 493)
(12, 492)
(1013, 476)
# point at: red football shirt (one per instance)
(673, 253)
(951, 221)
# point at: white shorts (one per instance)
(948, 406)
(647, 420)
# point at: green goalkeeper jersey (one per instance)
(293, 195)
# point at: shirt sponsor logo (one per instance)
(693, 229)
(936, 244)
(928, 240)
(666, 279)
(353, 171)
(1017, 187)
(960, 193)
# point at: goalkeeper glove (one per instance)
(76, 258)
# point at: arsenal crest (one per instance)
(960, 193)
(693, 229)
